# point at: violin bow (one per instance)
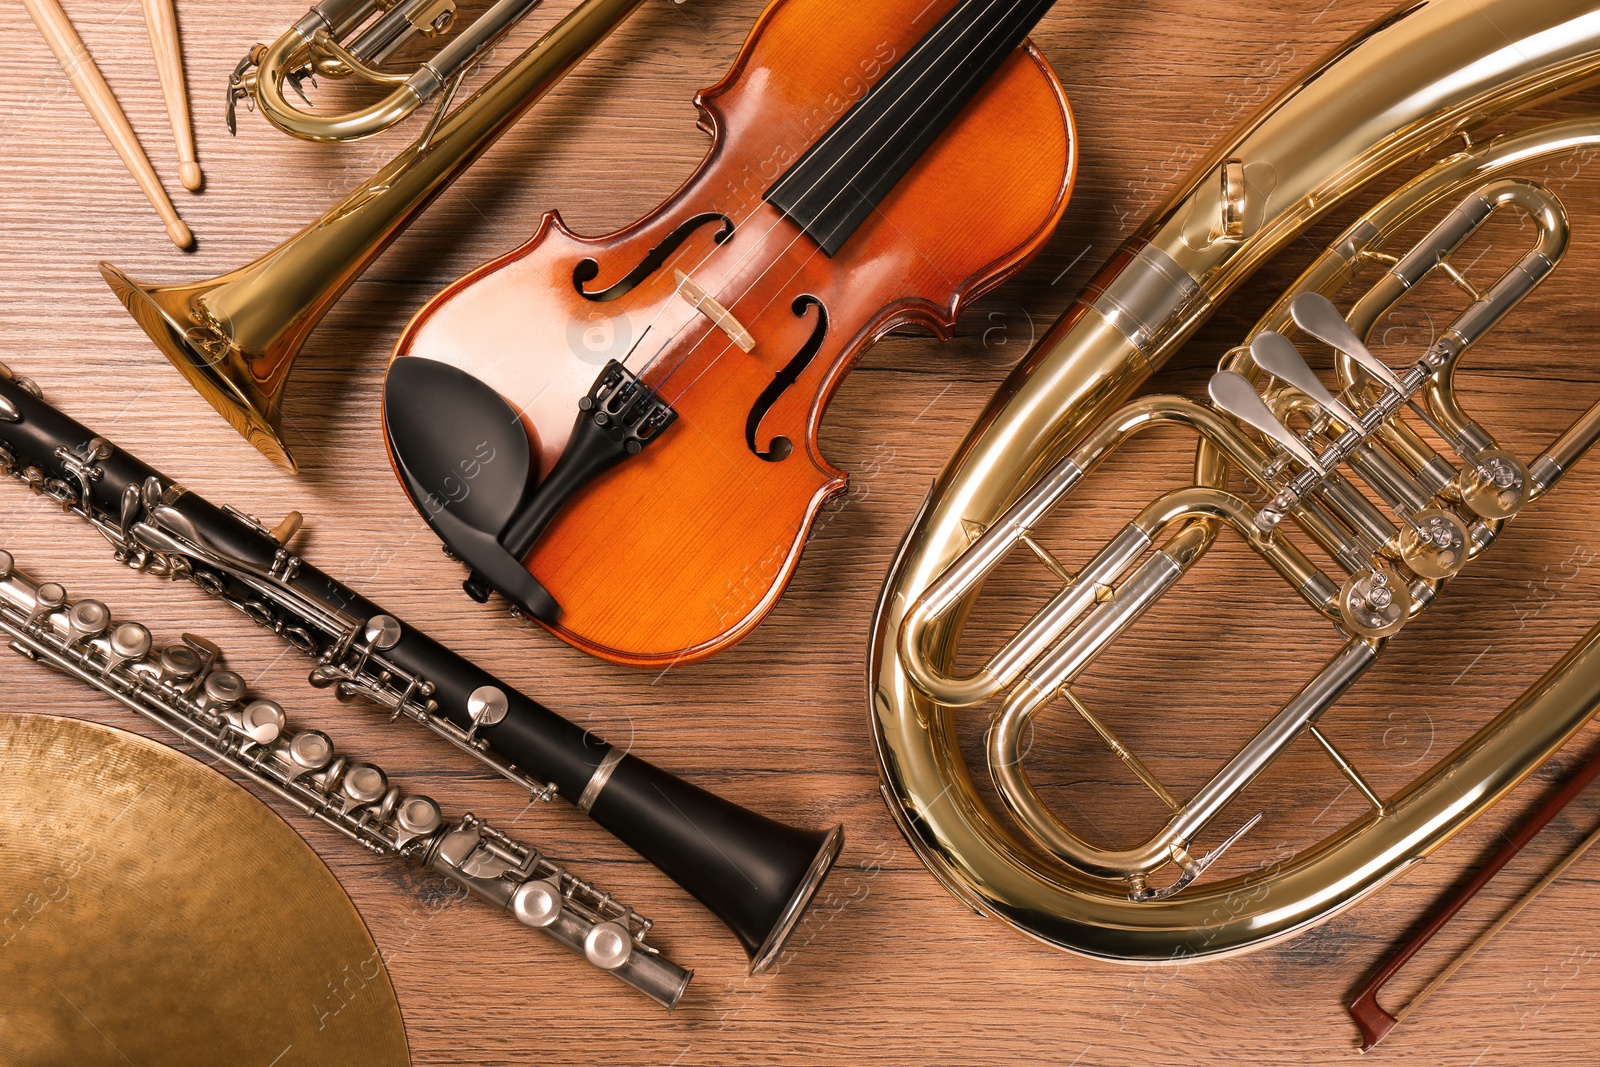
(1370, 1018)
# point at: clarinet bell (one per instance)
(756, 874)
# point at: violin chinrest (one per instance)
(465, 459)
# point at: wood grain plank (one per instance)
(890, 968)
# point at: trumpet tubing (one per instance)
(375, 30)
(1431, 71)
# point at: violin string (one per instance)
(776, 259)
(833, 133)
(838, 128)
(933, 68)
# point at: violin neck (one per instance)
(833, 187)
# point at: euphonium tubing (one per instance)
(235, 337)
(1307, 151)
(1448, 517)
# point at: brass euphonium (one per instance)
(1431, 71)
(236, 337)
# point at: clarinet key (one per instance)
(382, 632)
(486, 706)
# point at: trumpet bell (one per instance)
(177, 319)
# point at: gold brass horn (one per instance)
(374, 30)
(236, 337)
(1429, 72)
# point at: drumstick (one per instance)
(162, 21)
(96, 95)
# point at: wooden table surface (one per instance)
(889, 968)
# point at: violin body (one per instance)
(682, 550)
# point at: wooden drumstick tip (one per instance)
(189, 174)
(181, 235)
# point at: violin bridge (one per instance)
(720, 316)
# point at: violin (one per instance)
(620, 434)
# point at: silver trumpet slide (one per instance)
(184, 688)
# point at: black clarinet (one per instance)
(755, 874)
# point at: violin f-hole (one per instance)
(781, 447)
(589, 269)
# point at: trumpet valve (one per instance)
(382, 38)
(434, 17)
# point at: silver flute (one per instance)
(184, 688)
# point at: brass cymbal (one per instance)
(153, 912)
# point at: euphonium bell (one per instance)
(236, 337)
